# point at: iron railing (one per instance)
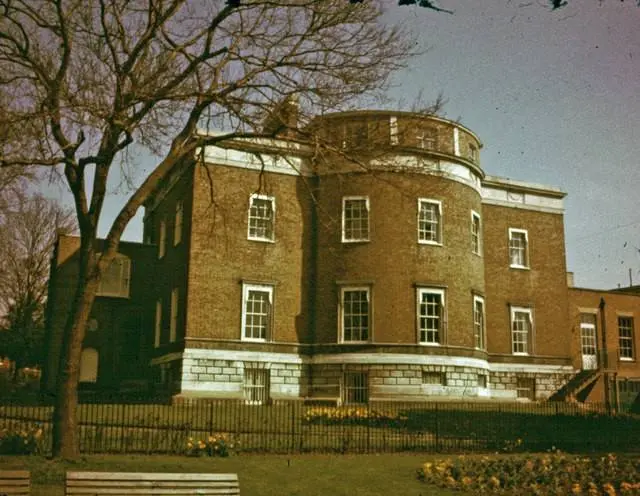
(113, 426)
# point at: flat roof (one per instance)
(522, 186)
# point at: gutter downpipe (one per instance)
(605, 356)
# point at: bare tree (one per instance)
(81, 80)
(28, 230)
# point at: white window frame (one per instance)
(629, 338)
(177, 226)
(513, 231)
(262, 288)
(162, 239)
(529, 334)
(439, 230)
(345, 237)
(479, 325)
(341, 314)
(476, 237)
(158, 324)
(442, 318)
(257, 386)
(124, 278)
(255, 237)
(173, 323)
(588, 340)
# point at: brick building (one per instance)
(115, 353)
(604, 345)
(388, 266)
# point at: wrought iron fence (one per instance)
(116, 426)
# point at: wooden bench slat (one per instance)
(14, 474)
(141, 483)
(147, 483)
(116, 483)
(15, 482)
(149, 476)
(155, 492)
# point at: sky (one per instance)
(555, 98)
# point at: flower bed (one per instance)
(547, 474)
(20, 439)
(215, 445)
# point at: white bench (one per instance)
(14, 482)
(128, 483)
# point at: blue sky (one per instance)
(554, 96)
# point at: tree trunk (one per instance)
(65, 423)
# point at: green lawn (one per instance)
(260, 475)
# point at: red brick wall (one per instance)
(221, 256)
(616, 304)
(171, 271)
(542, 286)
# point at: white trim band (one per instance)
(364, 359)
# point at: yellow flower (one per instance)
(593, 490)
(576, 489)
(609, 489)
(494, 481)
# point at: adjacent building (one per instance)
(383, 265)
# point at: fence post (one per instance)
(437, 433)
(368, 448)
(293, 426)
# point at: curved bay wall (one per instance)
(393, 263)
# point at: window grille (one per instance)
(355, 388)
(256, 386)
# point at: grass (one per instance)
(264, 475)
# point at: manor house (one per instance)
(383, 265)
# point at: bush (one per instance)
(20, 440)
(548, 474)
(352, 416)
(215, 445)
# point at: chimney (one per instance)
(283, 119)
